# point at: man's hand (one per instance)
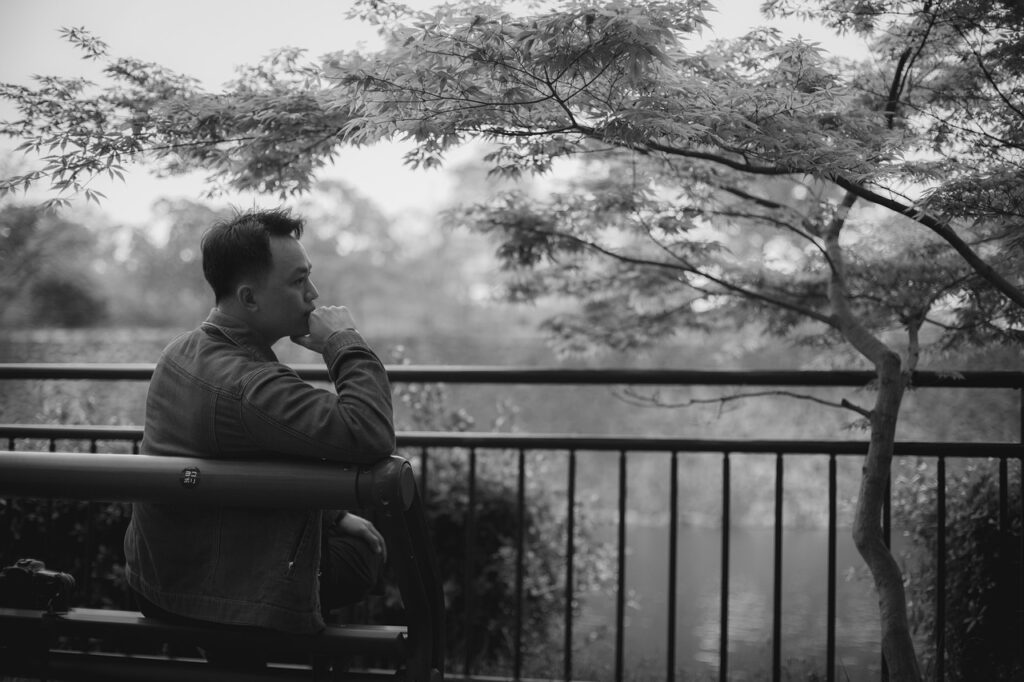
(357, 526)
(323, 322)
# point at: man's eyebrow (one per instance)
(303, 269)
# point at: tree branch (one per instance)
(686, 267)
(634, 397)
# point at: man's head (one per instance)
(260, 272)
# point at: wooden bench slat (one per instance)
(75, 666)
(388, 640)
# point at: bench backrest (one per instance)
(388, 488)
(221, 482)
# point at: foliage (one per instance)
(46, 274)
(481, 622)
(707, 127)
(982, 569)
(66, 302)
(940, 117)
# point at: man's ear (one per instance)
(246, 296)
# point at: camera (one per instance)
(28, 584)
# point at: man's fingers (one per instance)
(363, 529)
(376, 540)
(304, 341)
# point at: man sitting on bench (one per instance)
(219, 392)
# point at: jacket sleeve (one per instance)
(284, 414)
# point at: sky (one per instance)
(209, 39)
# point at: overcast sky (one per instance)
(208, 39)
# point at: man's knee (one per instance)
(352, 569)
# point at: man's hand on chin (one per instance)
(323, 322)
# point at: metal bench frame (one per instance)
(388, 488)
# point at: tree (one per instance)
(46, 275)
(759, 141)
(157, 279)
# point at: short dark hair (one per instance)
(239, 247)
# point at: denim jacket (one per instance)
(218, 392)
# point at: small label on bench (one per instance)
(190, 477)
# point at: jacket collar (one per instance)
(239, 333)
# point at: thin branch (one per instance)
(634, 397)
(943, 230)
(690, 269)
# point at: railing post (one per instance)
(723, 644)
(424, 472)
(830, 631)
(517, 666)
(1020, 558)
(468, 590)
(570, 559)
(673, 552)
(89, 550)
(620, 602)
(1004, 578)
(940, 574)
(777, 575)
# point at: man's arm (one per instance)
(283, 413)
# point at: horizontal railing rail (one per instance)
(555, 375)
(573, 446)
(581, 443)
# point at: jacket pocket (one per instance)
(300, 545)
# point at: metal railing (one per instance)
(573, 447)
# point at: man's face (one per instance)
(285, 296)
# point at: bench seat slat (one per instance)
(388, 640)
(99, 667)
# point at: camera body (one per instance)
(28, 584)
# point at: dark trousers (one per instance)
(349, 570)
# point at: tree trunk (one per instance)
(897, 645)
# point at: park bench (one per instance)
(29, 638)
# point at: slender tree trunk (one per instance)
(897, 645)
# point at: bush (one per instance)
(486, 635)
(982, 625)
(67, 301)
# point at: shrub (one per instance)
(982, 625)
(486, 635)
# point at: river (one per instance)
(804, 608)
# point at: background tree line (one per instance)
(68, 270)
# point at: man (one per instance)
(219, 391)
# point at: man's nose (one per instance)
(313, 292)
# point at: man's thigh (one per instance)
(349, 567)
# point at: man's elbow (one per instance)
(385, 445)
(378, 442)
